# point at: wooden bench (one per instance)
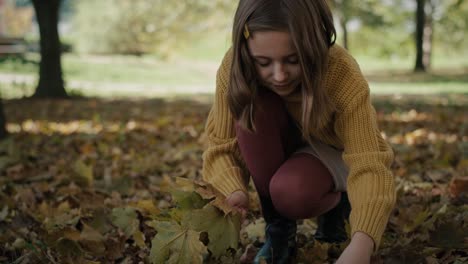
(12, 46)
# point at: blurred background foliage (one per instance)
(386, 28)
(144, 26)
(383, 28)
(154, 41)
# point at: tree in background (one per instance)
(50, 68)
(138, 27)
(393, 28)
(15, 20)
(343, 11)
(423, 35)
(3, 131)
(450, 17)
(452, 24)
(366, 13)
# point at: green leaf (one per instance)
(122, 185)
(139, 238)
(125, 219)
(175, 244)
(83, 173)
(188, 200)
(100, 220)
(183, 192)
(223, 230)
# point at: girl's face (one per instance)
(276, 61)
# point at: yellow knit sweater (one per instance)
(351, 127)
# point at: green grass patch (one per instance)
(440, 61)
(193, 70)
(126, 69)
(143, 70)
(418, 88)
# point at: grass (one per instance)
(440, 61)
(193, 70)
(145, 70)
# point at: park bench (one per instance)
(12, 46)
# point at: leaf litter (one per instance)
(119, 181)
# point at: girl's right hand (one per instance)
(240, 201)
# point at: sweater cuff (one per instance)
(230, 180)
(372, 222)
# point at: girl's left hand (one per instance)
(359, 251)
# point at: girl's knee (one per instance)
(294, 200)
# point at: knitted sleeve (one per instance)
(370, 185)
(222, 162)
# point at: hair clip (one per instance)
(246, 31)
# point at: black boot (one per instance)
(331, 225)
(280, 236)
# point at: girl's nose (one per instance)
(279, 74)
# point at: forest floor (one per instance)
(93, 180)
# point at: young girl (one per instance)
(292, 109)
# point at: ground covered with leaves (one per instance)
(117, 181)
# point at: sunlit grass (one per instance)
(439, 61)
(418, 88)
(193, 71)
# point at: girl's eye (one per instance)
(263, 64)
(293, 60)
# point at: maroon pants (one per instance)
(299, 185)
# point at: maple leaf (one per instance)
(147, 207)
(188, 200)
(223, 230)
(127, 220)
(184, 194)
(207, 191)
(176, 244)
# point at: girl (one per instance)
(292, 110)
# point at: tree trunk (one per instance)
(427, 43)
(3, 131)
(428, 35)
(50, 69)
(423, 37)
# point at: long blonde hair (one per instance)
(310, 24)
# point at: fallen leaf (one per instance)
(223, 230)
(458, 186)
(125, 219)
(83, 172)
(147, 207)
(175, 244)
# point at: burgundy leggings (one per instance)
(299, 185)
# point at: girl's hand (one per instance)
(240, 201)
(359, 251)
